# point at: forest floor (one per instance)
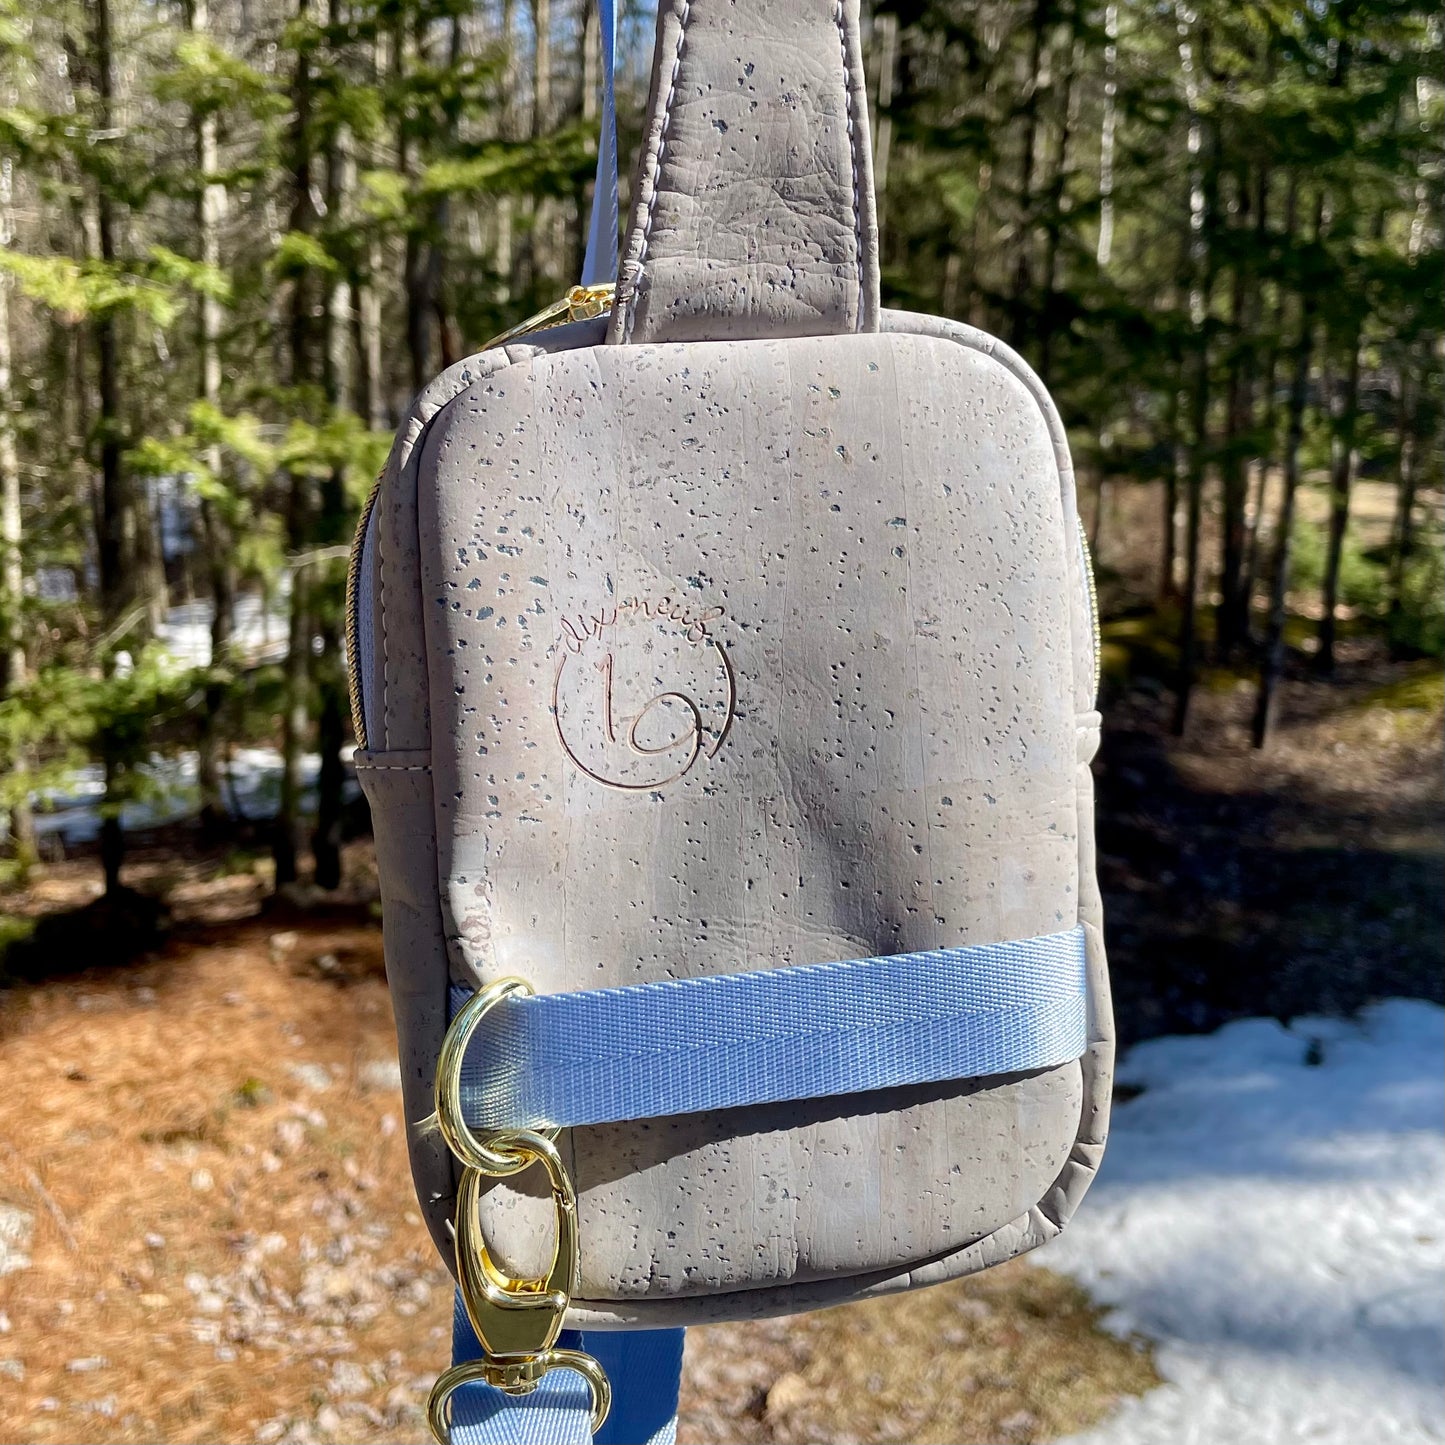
(212, 1235)
(206, 1223)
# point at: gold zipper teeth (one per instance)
(581, 303)
(353, 623)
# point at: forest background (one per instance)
(236, 236)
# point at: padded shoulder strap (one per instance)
(753, 208)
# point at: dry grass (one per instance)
(1013, 1355)
(248, 1252)
(224, 1251)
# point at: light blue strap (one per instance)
(805, 1032)
(600, 264)
(682, 1046)
(644, 1366)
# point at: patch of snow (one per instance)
(260, 629)
(17, 1228)
(251, 788)
(1271, 1212)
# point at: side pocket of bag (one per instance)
(398, 786)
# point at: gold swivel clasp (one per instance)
(517, 1320)
(514, 1316)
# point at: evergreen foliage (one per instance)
(234, 239)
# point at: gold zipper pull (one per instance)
(581, 303)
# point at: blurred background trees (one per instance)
(237, 235)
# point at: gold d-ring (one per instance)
(515, 1375)
(466, 1145)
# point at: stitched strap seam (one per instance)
(841, 21)
(683, 15)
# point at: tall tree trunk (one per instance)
(1022, 299)
(219, 546)
(1265, 420)
(1272, 665)
(1178, 465)
(448, 337)
(1232, 614)
(1193, 511)
(1049, 320)
(287, 841)
(1101, 507)
(1345, 407)
(330, 529)
(1203, 206)
(115, 549)
(1258, 484)
(1407, 473)
(13, 658)
(1344, 396)
(369, 390)
(414, 261)
(535, 252)
(505, 255)
(1107, 131)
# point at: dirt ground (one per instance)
(1306, 878)
(219, 1241)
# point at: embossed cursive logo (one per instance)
(643, 690)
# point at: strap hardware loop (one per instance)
(517, 1316)
(517, 1320)
(516, 1375)
(477, 1151)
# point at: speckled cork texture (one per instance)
(745, 629)
(754, 211)
(715, 657)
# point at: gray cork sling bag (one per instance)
(724, 676)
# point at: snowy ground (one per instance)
(259, 625)
(1272, 1213)
(71, 813)
(252, 783)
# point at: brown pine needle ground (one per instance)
(206, 1151)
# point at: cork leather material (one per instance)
(721, 656)
(753, 203)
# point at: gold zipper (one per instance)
(581, 303)
(353, 627)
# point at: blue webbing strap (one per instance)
(644, 1366)
(721, 1042)
(601, 262)
(806, 1032)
